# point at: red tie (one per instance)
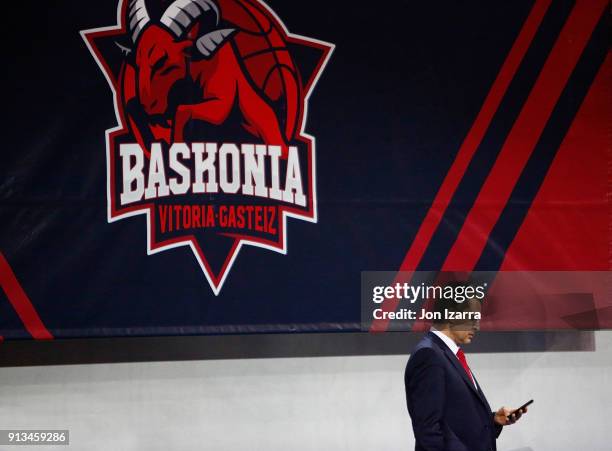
(462, 359)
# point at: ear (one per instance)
(186, 48)
(128, 52)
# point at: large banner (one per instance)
(240, 166)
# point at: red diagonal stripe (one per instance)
(569, 224)
(474, 136)
(21, 303)
(524, 135)
(467, 151)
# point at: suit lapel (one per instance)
(455, 362)
(482, 395)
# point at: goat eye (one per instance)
(168, 69)
(160, 63)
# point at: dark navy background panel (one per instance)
(389, 113)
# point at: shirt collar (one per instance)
(447, 340)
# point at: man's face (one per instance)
(463, 331)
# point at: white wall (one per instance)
(325, 403)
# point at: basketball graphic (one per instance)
(266, 58)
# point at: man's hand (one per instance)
(505, 416)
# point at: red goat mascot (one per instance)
(162, 57)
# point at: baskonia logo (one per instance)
(211, 104)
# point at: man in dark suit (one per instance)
(448, 408)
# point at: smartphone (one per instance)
(520, 408)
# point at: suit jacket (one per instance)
(448, 412)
